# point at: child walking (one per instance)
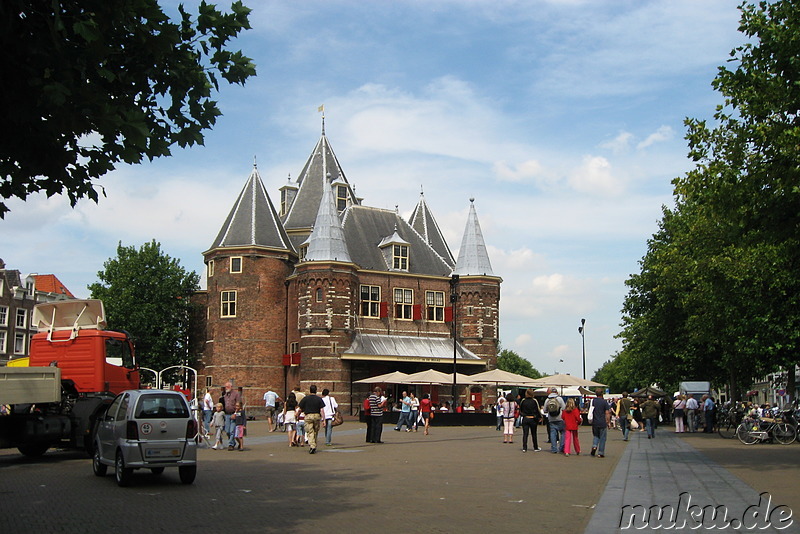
(572, 422)
(240, 419)
(218, 424)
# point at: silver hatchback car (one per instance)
(146, 428)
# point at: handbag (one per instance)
(634, 424)
(337, 418)
(590, 415)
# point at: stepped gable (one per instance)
(366, 228)
(253, 221)
(473, 259)
(321, 169)
(425, 224)
(327, 241)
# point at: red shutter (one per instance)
(287, 359)
(384, 310)
(291, 359)
(448, 314)
(416, 312)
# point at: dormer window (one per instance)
(400, 257)
(303, 251)
(341, 197)
(395, 252)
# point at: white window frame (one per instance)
(434, 306)
(3, 341)
(210, 268)
(19, 343)
(21, 319)
(400, 257)
(241, 264)
(3, 315)
(403, 303)
(227, 307)
(371, 305)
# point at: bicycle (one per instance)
(729, 419)
(754, 430)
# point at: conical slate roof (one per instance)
(253, 220)
(472, 257)
(320, 170)
(327, 242)
(423, 222)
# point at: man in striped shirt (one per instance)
(376, 403)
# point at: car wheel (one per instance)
(123, 474)
(98, 468)
(156, 470)
(34, 450)
(187, 473)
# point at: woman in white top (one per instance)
(414, 410)
(208, 410)
(330, 410)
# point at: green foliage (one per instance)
(88, 84)
(508, 360)
(147, 294)
(717, 295)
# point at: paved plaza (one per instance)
(458, 479)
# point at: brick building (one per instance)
(325, 290)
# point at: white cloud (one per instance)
(520, 172)
(664, 133)
(595, 176)
(621, 143)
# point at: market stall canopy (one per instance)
(649, 390)
(565, 392)
(500, 377)
(565, 381)
(432, 376)
(395, 377)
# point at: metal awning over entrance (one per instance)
(377, 347)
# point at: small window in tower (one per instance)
(400, 257)
(341, 197)
(209, 382)
(228, 304)
(210, 268)
(294, 347)
(470, 310)
(334, 347)
(319, 294)
(303, 252)
(236, 264)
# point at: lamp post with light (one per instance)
(582, 332)
(454, 302)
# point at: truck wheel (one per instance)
(187, 473)
(34, 450)
(122, 474)
(98, 468)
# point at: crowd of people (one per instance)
(308, 417)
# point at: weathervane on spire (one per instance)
(255, 164)
(321, 109)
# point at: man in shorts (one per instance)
(270, 399)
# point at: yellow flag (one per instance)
(321, 109)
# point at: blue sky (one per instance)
(563, 119)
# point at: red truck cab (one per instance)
(72, 336)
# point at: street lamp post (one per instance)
(582, 332)
(454, 302)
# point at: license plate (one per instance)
(162, 453)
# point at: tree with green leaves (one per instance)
(717, 297)
(89, 84)
(147, 294)
(508, 360)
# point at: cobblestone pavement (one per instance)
(458, 479)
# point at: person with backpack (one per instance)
(553, 406)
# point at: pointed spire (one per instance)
(424, 223)
(473, 259)
(253, 220)
(327, 242)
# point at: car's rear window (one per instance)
(166, 406)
